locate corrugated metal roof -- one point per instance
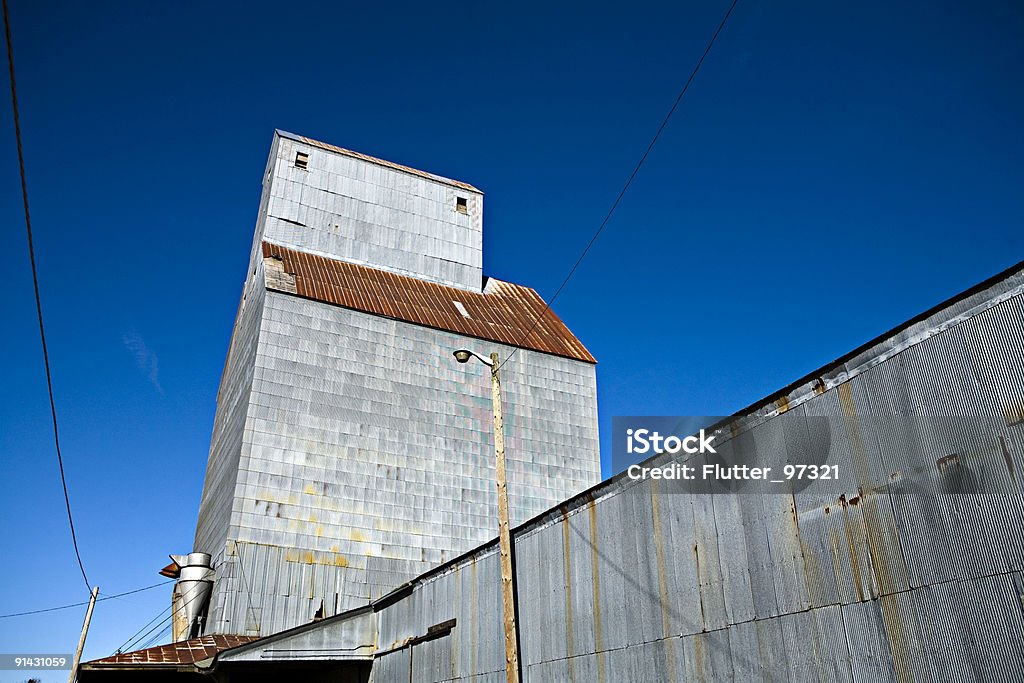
(184, 652)
(375, 160)
(501, 313)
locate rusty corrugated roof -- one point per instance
(502, 313)
(184, 652)
(375, 160)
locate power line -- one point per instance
(156, 637)
(248, 593)
(629, 181)
(35, 285)
(135, 639)
(79, 604)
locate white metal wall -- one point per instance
(368, 458)
(370, 214)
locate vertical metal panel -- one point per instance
(743, 652)
(576, 529)
(685, 610)
(869, 649)
(709, 569)
(647, 582)
(612, 572)
(903, 632)
(633, 615)
(739, 601)
(773, 651)
(831, 646)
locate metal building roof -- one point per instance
(183, 652)
(375, 160)
(502, 312)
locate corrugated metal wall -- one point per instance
(373, 214)
(864, 581)
(226, 444)
(369, 459)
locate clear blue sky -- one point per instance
(835, 169)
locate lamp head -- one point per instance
(463, 356)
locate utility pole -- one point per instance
(508, 594)
(81, 640)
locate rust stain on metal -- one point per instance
(894, 628)
(819, 386)
(812, 568)
(837, 562)
(474, 628)
(797, 546)
(500, 313)
(876, 532)
(852, 549)
(664, 600)
(567, 576)
(596, 586)
(947, 461)
(700, 593)
(311, 558)
(698, 655)
(1013, 415)
(782, 404)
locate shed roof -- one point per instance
(183, 652)
(502, 312)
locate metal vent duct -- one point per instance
(191, 594)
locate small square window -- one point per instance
(462, 205)
(301, 160)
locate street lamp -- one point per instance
(504, 536)
(463, 356)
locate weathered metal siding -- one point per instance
(350, 451)
(227, 442)
(230, 423)
(372, 213)
(369, 459)
(867, 583)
